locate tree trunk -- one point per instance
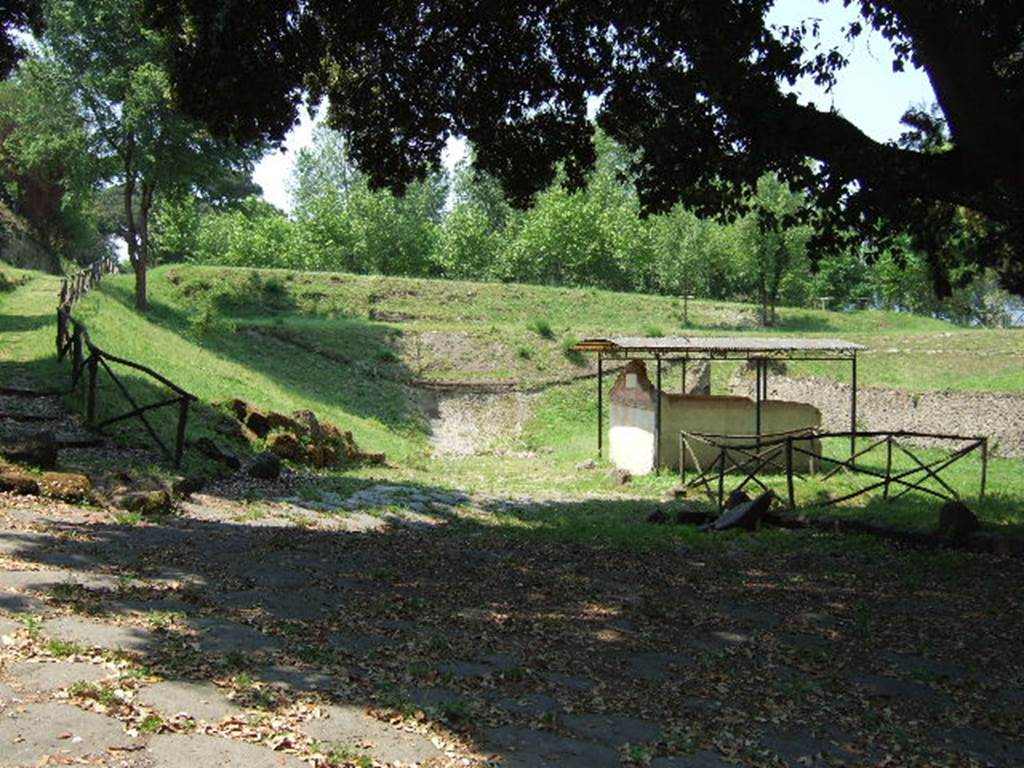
(141, 263)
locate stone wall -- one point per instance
(996, 415)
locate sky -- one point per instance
(868, 92)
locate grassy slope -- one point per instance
(293, 340)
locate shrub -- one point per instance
(542, 328)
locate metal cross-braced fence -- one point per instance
(88, 360)
(779, 454)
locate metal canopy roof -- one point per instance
(718, 346)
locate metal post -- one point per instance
(600, 406)
(657, 417)
(758, 362)
(853, 406)
(721, 478)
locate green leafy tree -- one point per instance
(118, 68)
(697, 91)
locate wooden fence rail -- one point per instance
(775, 455)
(87, 358)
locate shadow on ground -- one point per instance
(474, 644)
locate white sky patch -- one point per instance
(867, 92)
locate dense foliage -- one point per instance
(463, 228)
(696, 90)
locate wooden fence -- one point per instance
(774, 455)
(87, 359)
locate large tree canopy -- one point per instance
(696, 88)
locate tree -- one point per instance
(694, 89)
(16, 16)
(117, 67)
(772, 246)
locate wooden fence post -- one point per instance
(179, 446)
(90, 402)
(789, 473)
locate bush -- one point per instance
(542, 328)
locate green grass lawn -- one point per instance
(348, 347)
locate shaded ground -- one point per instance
(329, 633)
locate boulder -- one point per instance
(280, 422)
(745, 515)
(69, 486)
(38, 450)
(286, 445)
(736, 498)
(212, 450)
(234, 429)
(259, 424)
(310, 425)
(265, 466)
(620, 477)
(15, 480)
(187, 485)
(658, 517)
(145, 503)
(375, 459)
(238, 407)
(956, 520)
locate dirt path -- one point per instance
(224, 638)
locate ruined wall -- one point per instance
(631, 435)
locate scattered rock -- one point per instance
(620, 477)
(286, 446)
(585, 466)
(745, 515)
(145, 503)
(39, 450)
(15, 480)
(186, 486)
(69, 486)
(658, 517)
(265, 466)
(736, 498)
(956, 520)
(278, 422)
(258, 423)
(212, 450)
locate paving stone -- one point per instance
(912, 664)
(656, 666)
(297, 679)
(702, 759)
(483, 667)
(611, 730)
(190, 751)
(359, 645)
(527, 748)
(989, 748)
(22, 544)
(200, 700)
(895, 688)
(348, 724)
(31, 732)
(431, 697)
(572, 682)
(49, 676)
(33, 581)
(751, 615)
(128, 606)
(295, 604)
(718, 641)
(12, 602)
(9, 626)
(8, 696)
(222, 636)
(798, 748)
(805, 642)
(94, 634)
(528, 705)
